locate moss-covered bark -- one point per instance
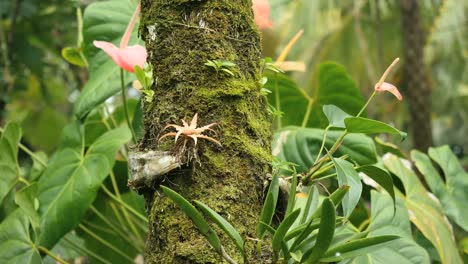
(181, 35)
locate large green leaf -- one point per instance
(9, 158)
(301, 146)
(453, 193)
(348, 176)
(104, 21)
(333, 86)
(425, 212)
(384, 221)
(381, 176)
(370, 126)
(15, 241)
(72, 179)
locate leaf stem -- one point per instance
(86, 251)
(115, 228)
(104, 242)
(133, 211)
(52, 255)
(124, 101)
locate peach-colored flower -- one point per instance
(261, 10)
(389, 88)
(381, 85)
(126, 57)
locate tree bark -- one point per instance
(418, 89)
(180, 36)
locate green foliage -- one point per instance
(426, 212)
(348, 176)
(369, 126)
(145, 77)
(72, 179)
(384, 220)
(451, 193)
(8, 158)
(224, 225)
(221, 65)
(103, 21)
(301, 146)
(196, 218)
(16, 245)
(269, 206)
(333, 86)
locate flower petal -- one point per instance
(261, 10)
(389, 88)
(110, 49)
(132, 56)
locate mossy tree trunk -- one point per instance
(180, 36)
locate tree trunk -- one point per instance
(180, 36)
(418, 88)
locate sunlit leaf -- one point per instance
(452, 193)
(425, 212)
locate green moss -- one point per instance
(230, 178)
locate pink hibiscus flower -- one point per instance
(126, 57)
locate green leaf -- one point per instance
(15, 242)
(348, 176)
(72, 179)
(452, 193)
(426, 212)
(370, 126)
(26, 200)
(292, 194)
(357, 247)
(269, 206)
(74, 56)
(301, 146)
(104, 21)
(196, 218)
(97, 89)
(279, 237)
(224, 225)
(385, 221)
(333, 86)
(381, 177)
(335, 115)
(9, 158)
(325, 233)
